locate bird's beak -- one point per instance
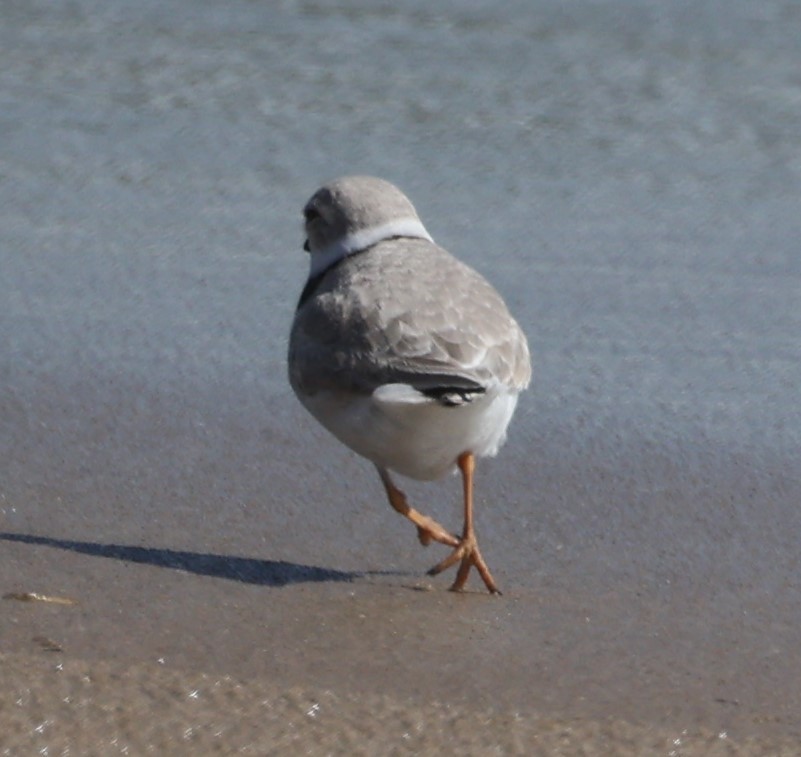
(306, 246)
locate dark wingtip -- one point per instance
(453, 396)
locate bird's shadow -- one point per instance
(246, 570)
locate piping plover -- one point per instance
(405, 354)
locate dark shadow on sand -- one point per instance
(243, 569)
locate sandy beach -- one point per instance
(72, 707)
(189, 564)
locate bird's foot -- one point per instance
(468, 553)
(429, 530)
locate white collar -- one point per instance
(361, 240)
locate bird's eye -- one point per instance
(310, 214)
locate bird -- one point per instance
(407, 355)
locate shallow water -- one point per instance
(627, 175)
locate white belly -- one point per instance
(419, 438)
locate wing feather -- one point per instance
(406, 311)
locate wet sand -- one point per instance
(247, 586)
(627, 176)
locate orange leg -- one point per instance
(428, 529)
(467, 550)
